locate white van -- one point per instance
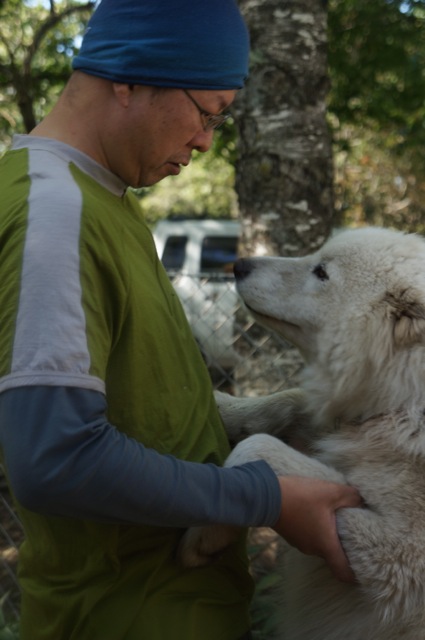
(198, 255)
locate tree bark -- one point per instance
(284, 174)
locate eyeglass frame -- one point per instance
(210, 121)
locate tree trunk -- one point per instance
(25, 102)
(284, 175)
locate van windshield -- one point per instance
(174, 252)
(218, 252)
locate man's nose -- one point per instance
(202, 140)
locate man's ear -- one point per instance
(407, 313)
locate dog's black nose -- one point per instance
(242, 268)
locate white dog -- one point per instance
(356, 311)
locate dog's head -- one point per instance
(355, 308)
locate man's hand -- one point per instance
(307, 519)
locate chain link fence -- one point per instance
(11, 536)
(243, 359)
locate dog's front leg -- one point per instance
(281, 414)
(283, 459)
(200, 545)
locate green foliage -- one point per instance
(36, 47)
(377, 68)
(8, 631)
(264, 612)
(377, 111)
(264, 609)
(224, 144)
(204, 187)
(375, 187)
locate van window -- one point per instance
(217, 252)
(174, 252)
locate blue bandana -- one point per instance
(191, 44)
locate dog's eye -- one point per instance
(320, 272)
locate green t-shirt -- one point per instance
(86, 303)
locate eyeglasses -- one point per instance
(210, 121)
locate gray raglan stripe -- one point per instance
(50, 344)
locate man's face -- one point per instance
(159, 130)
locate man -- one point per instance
(110, 436)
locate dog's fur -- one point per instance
(356, 311)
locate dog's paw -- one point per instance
(202, 545)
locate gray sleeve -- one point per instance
(63, 458)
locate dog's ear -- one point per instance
(408, 316)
